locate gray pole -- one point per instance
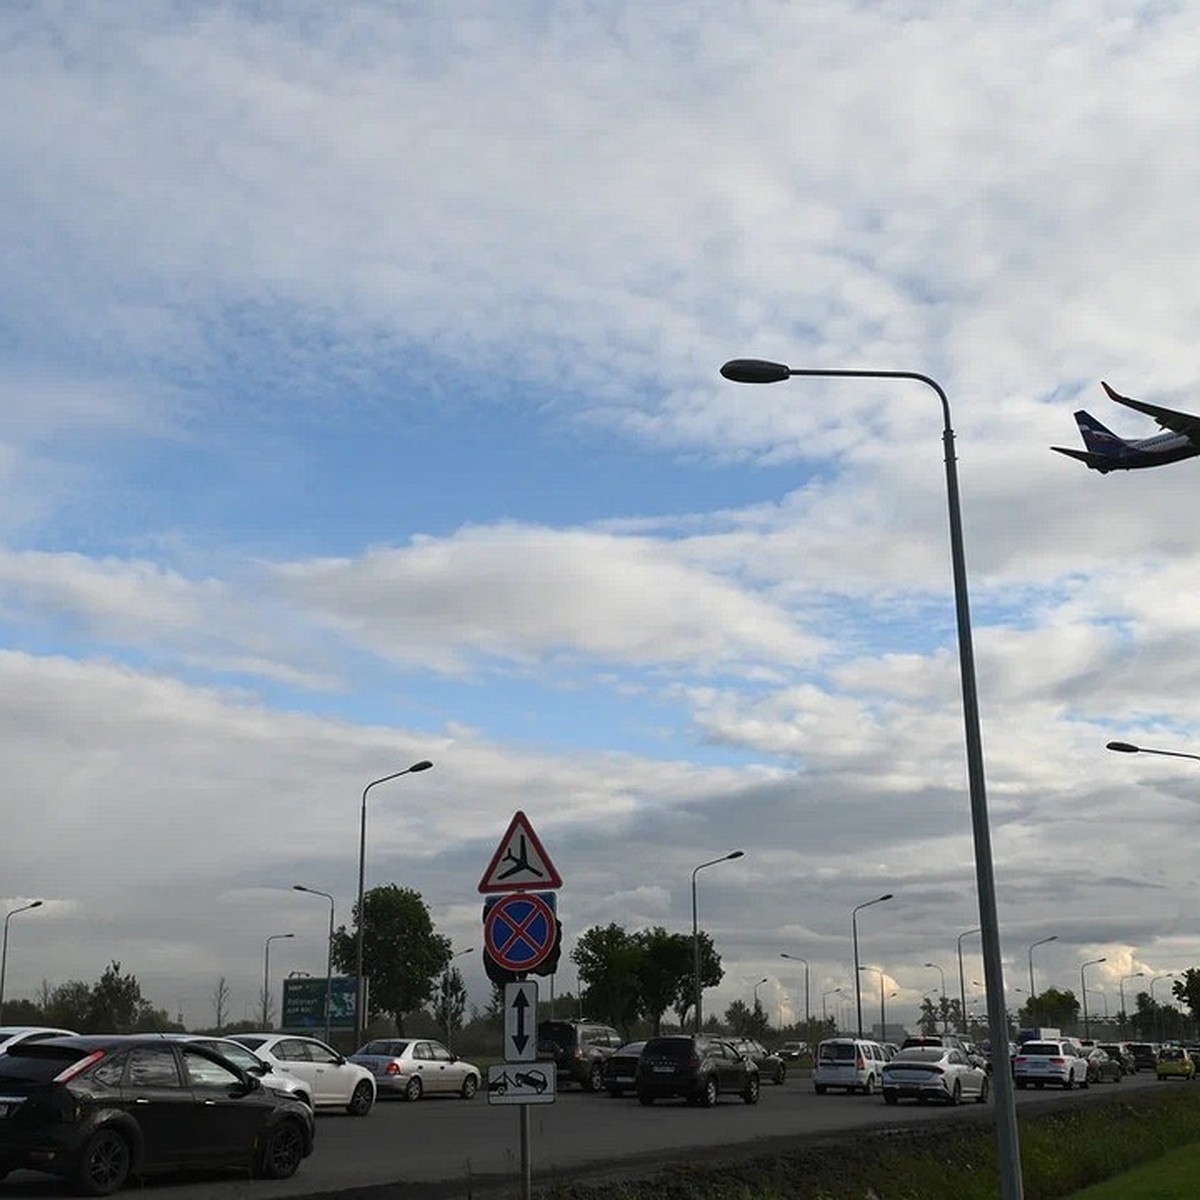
(1007, 1140)
(299, 887)
(266, 1009)
(962, 983)
(360, 991)
(4, 952)
(696, 927)
(854, 939)
(1087, 1029)
(807, 1013)
(1121, 988)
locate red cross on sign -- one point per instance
(519, 931)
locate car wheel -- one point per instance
(282, 1151)
(708, 1092)
(780, 1075)
(985, 1089)
(104, 1165)
(750, 1091)
(819, 1088)
(412, 1089)
(890, 1097)
(1118, 1077)
(595, 1078)
(470, 1086)
(955, 1097)
(869, 1086)
(645, 1098)
(361, 1100)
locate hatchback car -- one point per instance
(1121, 1052)
(1101, 1066)
(1145, 1055)
(698, 1068)
(1057, 1063)
(332, 1081)
(620, 1069)
(771, 1067)
(416, 1067)
(98, 1110)
(791, 1051)
(1174, 1062)
(942, 1073)
(246, 1060)
(853, 1064)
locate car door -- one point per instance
(333, 1075)
(292, 1055)
(450, 1072)
(153, 1093)
(228, 1114)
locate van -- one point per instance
(853, 1064)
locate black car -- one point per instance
(578, 1050)
(1145, 1055)
(620, 1069)
(696, 1067)
(770, 1065)
(1121, 1052)
(97, 1110)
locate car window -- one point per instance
(153, 1066)
(319, 1053)
(238, 1055)
(389, 1049)
(203, 1071)
(39, 1062)
(253, 1042)
(439, 1053)
(678, 1048)
(837, 1052)
(109, 1070)
(1042, 1050)
(291, 1050)
(917, 1054)
(421, 1052)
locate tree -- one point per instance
(402, 955)
(609, 960)
(711, 974)
(450, 1003)
(220, 1002)
(1053, 1009)
(116, 1003)
(69, 1005)
(663, 970)
(1186, 989)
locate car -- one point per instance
(332, 1081)
(99, 1110)
(696, 1067)
(770, 1065)
(1174, 1062)
(248, 1061)
(791, 1051)
(416, 1067)
(1145, 1054)
(852, 1064)
(1041, 1063)
(14, 1035)
(620, 1068)
(1121, 1052)
(1101, 1066)
(578, 1050)
(942, 1073)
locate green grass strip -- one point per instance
(1175, 1176)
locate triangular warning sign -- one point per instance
(520, 863)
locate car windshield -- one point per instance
(1171, 1055)
(1042, 1049)
(632, 1048)
(680, 1048)
(837, 1052)
(391, 1048)
(38, 1062)
(919, 1054)
(557, 1032)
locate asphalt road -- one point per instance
(468, 1145)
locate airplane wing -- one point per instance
(1167, 418)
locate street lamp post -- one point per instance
(941, 973)
(266, 1010)
(299, 887)
(4, 951)
(1130, 748)
(854, 938)
(756, 987)
(1091, 962)
(1007, 1141)
(1032, 988)
(962, 983)
(882, 1006)
(456, 954)
(1121, 989)
(712, 862)
(359, 988)
(807, 1015)
(824, 1010)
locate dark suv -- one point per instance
(578, 1050)
(697, 1068)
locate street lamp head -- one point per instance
(423, 765)
(735, 854)
(1123, 747)
(754, 370)
(881, 899)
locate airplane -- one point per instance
(1107, 452)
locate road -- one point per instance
(469, 1144)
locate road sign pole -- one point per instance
(526, 1157)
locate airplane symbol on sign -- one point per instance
(520, 862)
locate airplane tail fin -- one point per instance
(1097, 438)
(1098, 462)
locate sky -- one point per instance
(359, 404)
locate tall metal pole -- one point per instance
(1008, 1143)
(807, 1014)
(4, 952)
(854, 938)
(1091, 962)
(360, 991)
(696, 929)
(962, 983)
(1121, 989)
(942, 976)
(299, 887)
(266, 1008)
(1032, 986)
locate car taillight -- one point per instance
(860, 1063)
(82, 1065)
(1058, 1062)
(393, 1068)
(577, 1053)
(1020, 1059)
(694, 1062)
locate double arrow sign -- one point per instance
(520, 1020)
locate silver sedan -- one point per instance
(942, 1073)
(414, 1067)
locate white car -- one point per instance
(416, 1067)
(852, 1064)
(942, 1073)
(13, 1035)
(332, 1081)
(248, 1061)
(1041, 1063)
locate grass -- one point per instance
(1063, 1149)
(1175, 1176)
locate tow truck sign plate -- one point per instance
(521, 1083)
